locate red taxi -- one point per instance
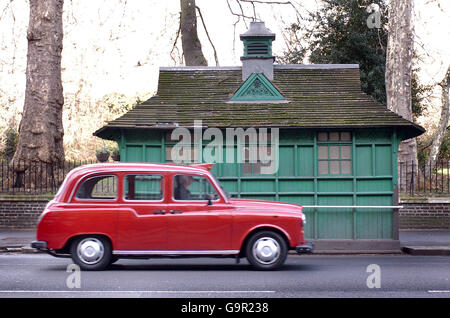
(104, 212)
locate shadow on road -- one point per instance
(203, 267)
(192, 267)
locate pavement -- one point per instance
(425, 242)
(414, 242)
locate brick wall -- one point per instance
(425, 214)
(20, 213)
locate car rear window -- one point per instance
(98, 188)
(144, 187)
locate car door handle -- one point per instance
(175, 211)
(159, 212)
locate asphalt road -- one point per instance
(41, 275)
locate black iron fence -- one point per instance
(41, 178)
(32, 177)
(422, 179)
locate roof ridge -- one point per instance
(276, 66)
(200, 68)
(316, 66)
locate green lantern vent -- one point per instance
(257, 88)
(257, 41)
(258, 48)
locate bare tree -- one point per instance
(399, 69)
(41, 130)
(443, 122)
(192, 48)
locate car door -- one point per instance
(142, 221)
(194, 222)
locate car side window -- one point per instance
(144, 187)
(98, 188)
(191, 187)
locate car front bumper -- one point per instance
(307, 248)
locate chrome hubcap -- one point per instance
(266, 250)
(90, 250)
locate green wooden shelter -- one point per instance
(337, 146)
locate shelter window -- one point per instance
(334, 152)
(252, 163)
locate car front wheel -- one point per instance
(91, 253)
(266, 250)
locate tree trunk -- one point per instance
(192, 48)
(398, 73)
(41, 130)
(443, 122)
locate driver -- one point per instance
(182, 190)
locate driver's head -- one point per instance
(186, 181)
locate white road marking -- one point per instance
(439, 291)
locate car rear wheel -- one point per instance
(266, 250)
(91, 253)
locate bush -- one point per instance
(12, 136)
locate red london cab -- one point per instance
(104, 212)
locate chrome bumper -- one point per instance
(39, 245)
(305, 249)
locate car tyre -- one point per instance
(266, 250)
(91, 252)
(113, 260)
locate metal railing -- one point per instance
(41, 178)
(422, 179)
(33, 177)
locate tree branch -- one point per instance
(239, 15)
(6, 8)
(175, 42)
(272, 2)
(207, 34)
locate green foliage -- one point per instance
(419, 94)
(423, 148)
(12, 136)
(444, 152)
(114, 151)
(338, 33)
(422, 155)
(106, 151)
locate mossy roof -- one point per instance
(318, 96)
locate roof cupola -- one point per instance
(257, 51)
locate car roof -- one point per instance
(76, 174)
(134, 166)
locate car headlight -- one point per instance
(303, 217)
